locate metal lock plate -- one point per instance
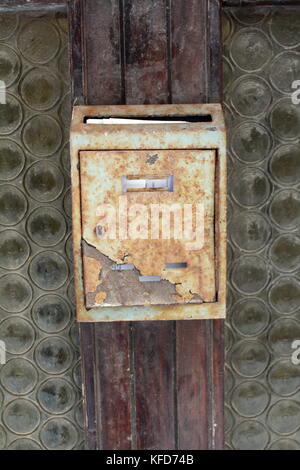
(149, 240)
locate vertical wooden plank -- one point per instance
(216, 344)
(146, 78)
(103, 84)
(113, 398)
(105, 348)
(195, 77)
(146, 51)
(189, 65)
(218, 359)
(154, 377)
(192, 385)
(89, 373)
(76, 53)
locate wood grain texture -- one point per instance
(112, 351)
(145, 42)
(152, 385)
(102, 78)
(146, 79)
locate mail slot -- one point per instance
(149, 212)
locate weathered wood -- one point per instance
(154, 385)
(170, 375)
(145, 42)
(103, 75)
(188, 28)
(76, 53)
(89, 374)
(146, 79)
(112, 351)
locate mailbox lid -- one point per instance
(125, 262)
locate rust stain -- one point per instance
(201, 292)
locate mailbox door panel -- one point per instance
(147, 241)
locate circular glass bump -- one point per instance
(285, 444)
(284, 417)
(285, 119)
(229, 419)
(250, 274)
(250, 399)
(229, 254)
(62, 22)
(59, 434)
(56, 396)
(229, 380)
(65, 159)
(250, 317)
(8, 24)
(51, 313)
(63, 65)
(71, 291)
(38, 41)
(251, 142)
(46, 226)
(77, 375)
(285, 209)
(44, 181)
(250, 49)
(250, 96)
(226, 27)
(247, 16)
(14, 250)
(284, 378)
(54, 355)
(251, 231)
(67, 203)
(284, 70)
(250, 435)
(2, 438)
(227, 71)
(285, 252)
(48, 270)
(65, 110)
(74, 333)
(285, 295)
(17, 334)
(282, 335)
(11, 115)
(19, 376)
(40, 89)
(12, 159)
(69, 248)
(21, 416)
(228, 338)
(15, 293)
(24, 444)
(250, 358)
(13, 205)
(285, 29)
(285, 166)
(9, 65)
(42, 135)
(250, 187)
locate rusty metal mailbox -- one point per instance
(149, 212)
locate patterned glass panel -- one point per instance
(261, 61)
(40, 383)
